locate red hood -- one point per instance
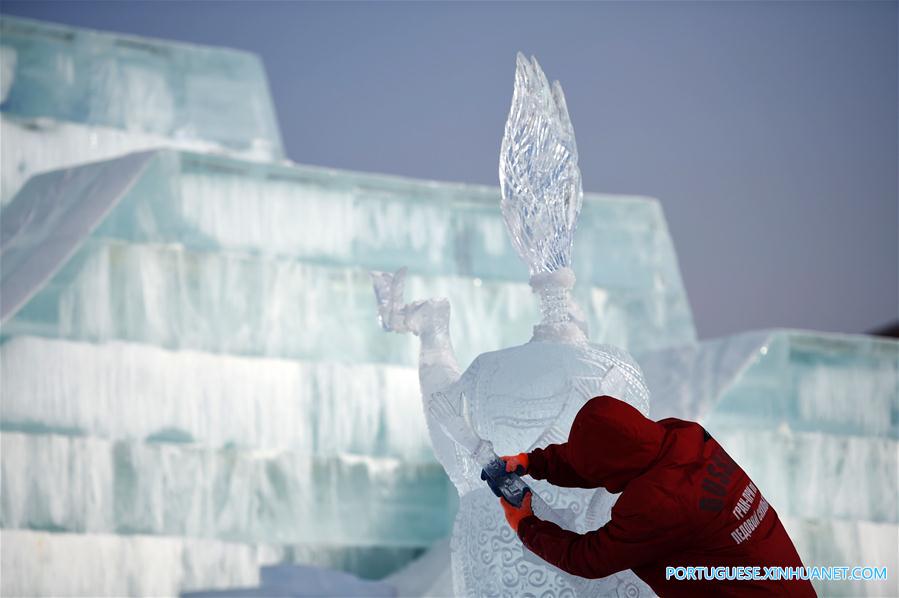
(611, 443)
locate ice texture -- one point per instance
(71, 95)
(129, 391)
(49, 563)
(832, 541)
(34, 146)
(301, 581)
(538, 173)
(234, 225)
(41, 235)
(91, 485)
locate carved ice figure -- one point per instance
(522, 397)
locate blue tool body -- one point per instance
(505, 484)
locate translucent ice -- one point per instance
(234, 224)
(127, 391)
(90, 485)
(538, 172)
(71, 95)
(119, 565)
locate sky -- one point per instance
(768, 130)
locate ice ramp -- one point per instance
(56, 215)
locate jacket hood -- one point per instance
(611, 443)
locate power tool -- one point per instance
(450, 415)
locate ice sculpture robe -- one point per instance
(684, 503)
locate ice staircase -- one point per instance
(194, 384)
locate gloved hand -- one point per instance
(517, 463)
(515, 515)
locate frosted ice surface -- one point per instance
(70, 95)
(809, 381)
(206, 205)
(138, 392)
(119, 565)
(827, 542)
(301, 581)
(40, 235)
(169, 296)
(781, 379)
(97, 486)
(812, 474)
(140, 85)
(687, 381)
(35, 146)
(521, 398)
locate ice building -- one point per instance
(197, 396)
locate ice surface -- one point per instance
(150, 89)
(780, 378)
(300, 581)
(248, 214)
(39, 236)
(847, 543)
(169, 296)
(38, 145)
(428, 576)
(812, 474)
(830, 383)
(97, 486)
(41, 563)
(125, 391)
(819, 541)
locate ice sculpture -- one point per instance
(522, 397)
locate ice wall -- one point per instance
(72, 95)
(179, 253)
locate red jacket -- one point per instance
(684, 502)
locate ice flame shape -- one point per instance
(538, 172)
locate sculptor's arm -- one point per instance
(552, 464)
(640, 531)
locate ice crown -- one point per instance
(538, 173)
